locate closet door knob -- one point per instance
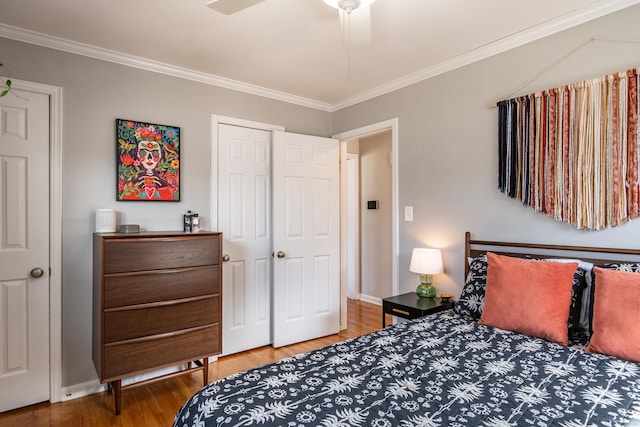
(225, 258)
(37, 272)
(281, 254)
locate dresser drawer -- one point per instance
(153, 320)
(161, 285)
(157, 352)
(127, 255)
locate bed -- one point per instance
(455, 368)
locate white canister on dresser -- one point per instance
(105, 221)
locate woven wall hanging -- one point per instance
(572, 152)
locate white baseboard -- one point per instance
(370, 299)
(81, 390)
(91, 387)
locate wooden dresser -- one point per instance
(156, 303)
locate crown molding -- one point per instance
(515, 40)
(65, 45)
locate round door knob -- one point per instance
(225, 258)
(280, 254)
(37, 272)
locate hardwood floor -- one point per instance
(156, 404)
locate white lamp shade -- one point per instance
(426, 261)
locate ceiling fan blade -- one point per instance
(356, 26)
(229, 7)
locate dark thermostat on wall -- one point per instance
(372, 204)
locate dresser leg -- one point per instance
(117, 395)
(205, 370)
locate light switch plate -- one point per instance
(408, 213)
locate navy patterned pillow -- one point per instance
(471, 301)
(631, 267)
(577, 334)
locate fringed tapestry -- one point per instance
(572, 152)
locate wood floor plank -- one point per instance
(156, 404)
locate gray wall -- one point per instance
(375, 225)
(95, 93)
(447, 145)
(447, 151)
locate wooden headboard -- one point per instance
(474, 248)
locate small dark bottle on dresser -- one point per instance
(188, 221)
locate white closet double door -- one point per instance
(24, 249)
(278, 209)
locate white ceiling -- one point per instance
(293, 49)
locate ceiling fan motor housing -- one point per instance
(349, 5)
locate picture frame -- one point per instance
(148, 161)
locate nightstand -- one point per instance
(411, 306)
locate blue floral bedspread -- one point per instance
(441, 370)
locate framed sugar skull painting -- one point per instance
(148, 160)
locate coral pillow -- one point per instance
(616, 311)
(528, 296)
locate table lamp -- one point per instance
(426, 262)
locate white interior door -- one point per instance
(244, 217)
(24, 248)
(306, 237)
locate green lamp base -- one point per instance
(425, 290)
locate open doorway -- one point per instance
(368, 226)
(353, 225)
(378, 270)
